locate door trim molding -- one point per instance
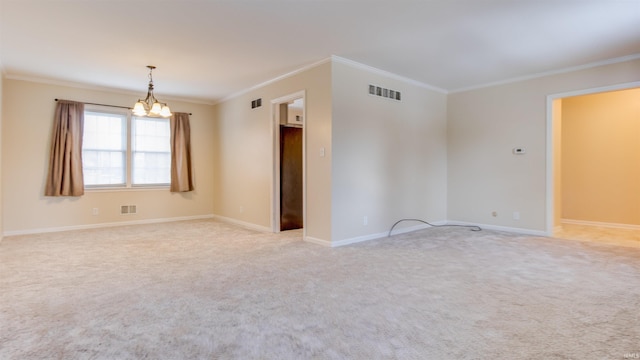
(550, 191)
(275, 178)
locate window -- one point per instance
(151, 147)
(104, 149)
(120, 150)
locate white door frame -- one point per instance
(275, 133)
(550, 135)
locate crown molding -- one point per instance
(387, 74)
(77, 85)
(276, 79)
(341, 60)
(549, 73)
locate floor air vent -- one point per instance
(128, 209)
(386, 93)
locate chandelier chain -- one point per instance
(150, 106)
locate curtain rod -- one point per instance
(115, 106)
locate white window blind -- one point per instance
(104, 149)
(121, 151)
(151, 151)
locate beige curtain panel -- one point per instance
(181, 178)
(65, 176)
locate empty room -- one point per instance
(317, 179)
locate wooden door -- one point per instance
(290, 178)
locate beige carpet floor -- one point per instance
(208, 290)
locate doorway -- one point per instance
(289, 158)
(585, 185)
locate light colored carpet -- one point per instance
(606, 235)
(208, 290)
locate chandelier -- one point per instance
(150, 106)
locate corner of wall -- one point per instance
(389, 154)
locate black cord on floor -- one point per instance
(472, 227)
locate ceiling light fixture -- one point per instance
(150, 106)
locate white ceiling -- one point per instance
(208, 50)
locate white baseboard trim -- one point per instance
(600, 224)
(368, 237)
(344, 242)
(317, 241)
(244, 224)
(415, 227)
(104, 225)
(501, 228)
(357, 239)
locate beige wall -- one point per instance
(1, 199)
(430, 156)
(601, 157)
(27, 117)
(483, 127)
(389, 157)
(383, 159)
(244, 153)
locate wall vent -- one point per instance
(256, 103)
(386, 93)
(128, 209)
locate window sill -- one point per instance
(124, 189)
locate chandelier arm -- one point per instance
(152, 107)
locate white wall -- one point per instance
(389, 157)
(485, 124)
(244, 153)
(27, 117)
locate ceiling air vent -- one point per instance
(383, 92)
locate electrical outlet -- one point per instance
(516, 215)
(241, 209)
(365, 220)
(494, 214)
(95, 211)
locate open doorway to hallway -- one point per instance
(595, 157)
(289, 159)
